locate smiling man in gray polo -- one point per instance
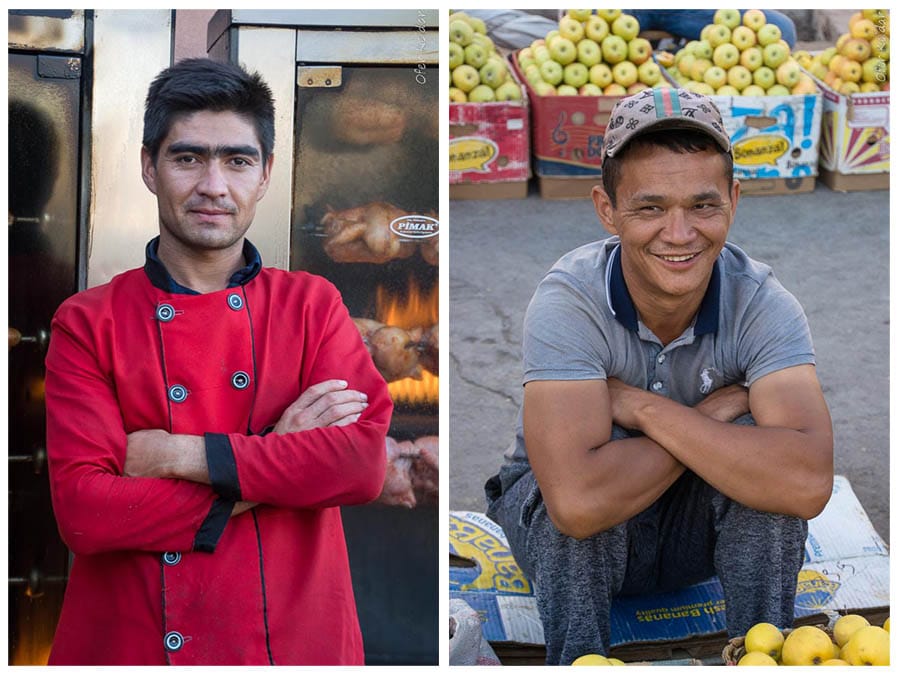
(673, 426)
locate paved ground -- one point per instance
(830, 249)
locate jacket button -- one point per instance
(240, 380)
(171, 557)
(177, 393)
(235, 301)
(173, 641)
(165, 312)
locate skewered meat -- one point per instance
(366, 327)
(424, 470)
(397, 490)
(363, 234)
(429, 249)
(364, 121)
(394, 350)
(428, 347)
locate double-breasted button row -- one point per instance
(178, 393)
(166, 312)
(173, 641)
(171, 557)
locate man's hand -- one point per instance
(624, 400)
(326, 404)
(726, 404)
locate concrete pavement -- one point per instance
(830, 249)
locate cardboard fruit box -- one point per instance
(489, 148)
(855, 152)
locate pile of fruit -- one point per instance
(591, 55)
(860, 60)
(739, 55)
(854, 642)
(477, 72)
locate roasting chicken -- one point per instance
(363, 234)
(429, 250)
(411, 478)
(424, 470)
(428, 347)
(394, 350)
(362, 120)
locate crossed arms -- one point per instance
(589, 483)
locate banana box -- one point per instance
(846, 569)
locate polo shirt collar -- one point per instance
(159, 276)
(623, 308)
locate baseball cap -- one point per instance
(662, 108)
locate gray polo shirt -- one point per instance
(581, 324)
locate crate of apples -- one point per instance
(591, 54)
(739, 54)
(860, 60)
(478, 74)
(851, 641)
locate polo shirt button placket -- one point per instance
(656, 386)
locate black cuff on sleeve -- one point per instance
(222, 467)
(213, 526)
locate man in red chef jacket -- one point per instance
(208, 416)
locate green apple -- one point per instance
(541, 54)
(704, 34)
(625, 72)
(739, 77)
(649, 73)
(482, 94)
(579, 14)
(780, 90)
(545, 89)
(571, 29)
(873, 70)
(726, 55)
(596, 28)
(590, 89)
(493, 73)
(753, 90)
(566, 90)
(639, 50)
(457, 55)
(533, 74)
(743, 37)
(764, 77)
(827, 54)
(508, 91)
(754, 19)
(614, 49)
(478, 25)
(465, 77)
(698, 68)
(788, 73)
(881, 47)
(626, 27)
(719, 34)
(609, 15)
(685, 63)
(589, 52)
(702, 49)
(774, 55)
(461, 32)
(476, 55)
(575, 74)
(563, 51)
(551, 36)
(752, 58)
(457, 95)
(768, 34)
(715, 77)
(601, 75)
(551, 72)
(700, 88)
(727, 17)
(820, 70)
(727, 90)
(484, 41)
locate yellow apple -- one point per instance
(596, 28)
(847, 626)
(857, 49)
(754, 19)
(457, 95)
(764, 637)
(601, 75)
(864, 29)
(806, 646)
(757, 659)
(625, 73)
(571, 28)
(743, 37)
(726, 55)
(768, 34)
(752, 58)
(868, 646)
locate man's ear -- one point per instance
(604, 208)
(266, 177)
(148, 170)
(735, 196)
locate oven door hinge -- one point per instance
(317, 77)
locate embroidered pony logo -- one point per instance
(706, 380)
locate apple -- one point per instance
(476, 55)
(571, 29)
(579, 14)
(727, 17)
(609, 15)
(875, 15)
(493, 73)
(465, 77)
(753, 90)
(818, 69)
(743, 37)
(552, 72)
(700, 88)
(685, 63)
(836, 63)
(881, 47)
(533, 74)
(704, 33)
(719, 34)
(726, 55)
(484, 41)
(727, 90)
(649, 73)
(864, 88)
(702, 49)
(537, 43)
(563, 51)
(857, 49)
(477, 24)
(827, 55)
(457, 95)
(525, 62)
(715, 77)
(589, 52)
(639, 50)
(575, 74)
(774, 55)
(754, 19)
(849, 88)
(666, 59)
(788, 73)
(764, 77)
(461, 32)
(778, 90)
(842, 40)
(864, 29)
(614, 89)
(752, 58)
(626, 27)
(625, 72)
(873, 70)
(590, 89)
(768, 34)
(541, 54)
(601, 75)
(699, 67)
(596, 28)
(739, 77)
(806, 86)
(635, 88)
(851, 71)
(545, 88)
(614, 49)
(482, 94)
(566, 90)
(457, 55)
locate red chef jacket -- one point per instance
(161, 573)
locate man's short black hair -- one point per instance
(196, 85)
(682, 140)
